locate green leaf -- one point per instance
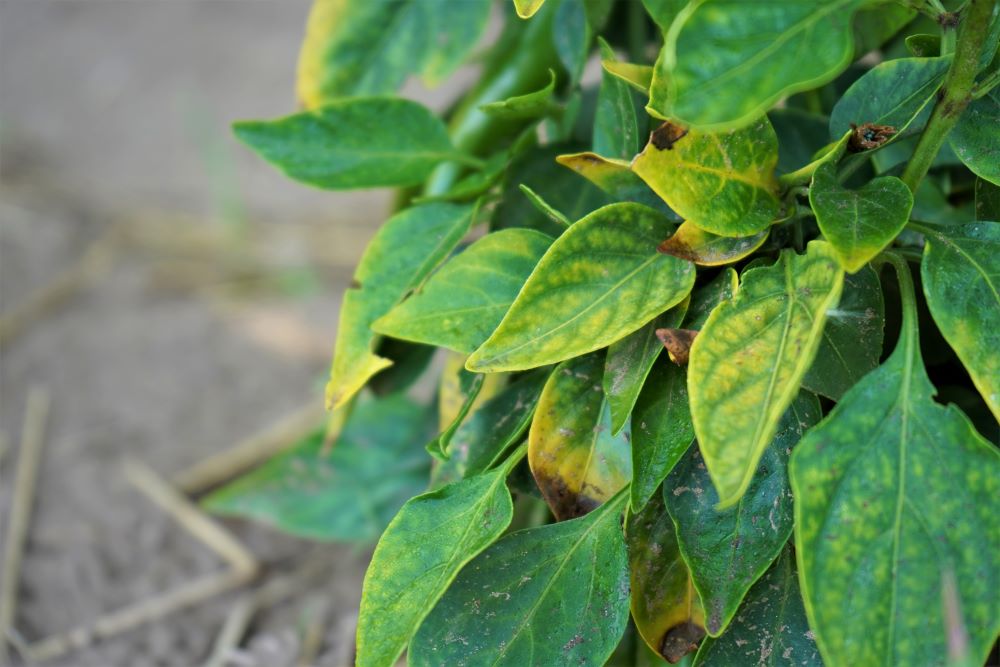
(629, 361)
(663, 12)
(987, 200)
(463, 302)
(458, 391)
(344, 145)
(571, 36)
(722, 182)
(859, 224)
(420, 554)
(751, 355)
(852, 337)
(347, 491)
(576, 461)
(553, 595)
(527, 8)
(661, 430)
(599, 281)
(878, 22)
(893, 492)
(665, 606)
(639, 77)
(961, 278)
(404, 251)
(616, 126)
(616, 178)
(923, 45)
(371, 47)
(976, 137)
(707, 297)
(770, 628)
(544, 207)
(894, 93)
(694, 244)
(728, 550)
(725, 62)
(800, 135)
(530, 105)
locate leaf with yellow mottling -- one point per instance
(694, 244)
(616, 178)
(723, 182)
(575, 460)
(404, 251)
(749, 359)
(665, 606)
(600, 280)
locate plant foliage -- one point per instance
(807, 474)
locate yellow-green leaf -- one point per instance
(638, 76)
(859, 224)
(575, 460)
(529, 105)
(722, 182)
(616, 178)
(694, 244)
(599, 281)
(464, 301)
(665, 606)
(749, 359)
(527, 8)
(404, 251)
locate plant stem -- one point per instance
(955, 93)
(907, 295)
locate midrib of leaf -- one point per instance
(727, 173)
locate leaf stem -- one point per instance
(955, 93)
(986, 84)
(907, 295)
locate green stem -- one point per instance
(907, 294)
(986, 84)
(955, 93)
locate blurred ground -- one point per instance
(209, 315)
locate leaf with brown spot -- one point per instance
(678, 343)
(694, 244)
(665, 606)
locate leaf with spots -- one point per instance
(599, 281)
(346, 491)
(751, 355)
(725, 62)
(665, 605)
(694, 244)
(852, 337)
(404, 251)
(859, 224)
(575, 460)
(553, 595)
(894, 491)
(463, 302)
(770, 629)
(961, 278)
(629, 361)
(728, 550)
(421, 552)
(722, 182)
(976, 137)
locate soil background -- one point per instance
(210, 315)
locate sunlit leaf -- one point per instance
(353, 48)
(419, 555)
(665, 605)
(694, 244)
(544, 207)
(404, 251)
(344, 145)
(464, 301)
(599, 281)
(722, 182)
(639, 77)
(976, 137)
(575, 460)
(859, 224)
(728, 550)
(616, 126)
(527, 8)
(751, 355)
(852, 337)
(892, 490)
(961, 278)
(342, 491)
(553, 595)
(770, 628)
(629, 361)
(725, 62)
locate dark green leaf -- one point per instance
(346, 491)
(345, 144)
(663, 12)
(728, 550)
(616, 126)
(976, 137)
(554, 595)
(705, 298)
(571, 36)
(457, 392)
(987, 200)
(800, 135)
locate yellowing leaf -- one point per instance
(600, 280)
(527, 8)
(638, 76)
(706, 249)
(614, 177)
(575, 460)
(749, 359)
(723, 182)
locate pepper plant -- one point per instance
(718, 284)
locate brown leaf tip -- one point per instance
(678, 343)
(677, 247)
(665, 136)
(681, 640)
(868, 135)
